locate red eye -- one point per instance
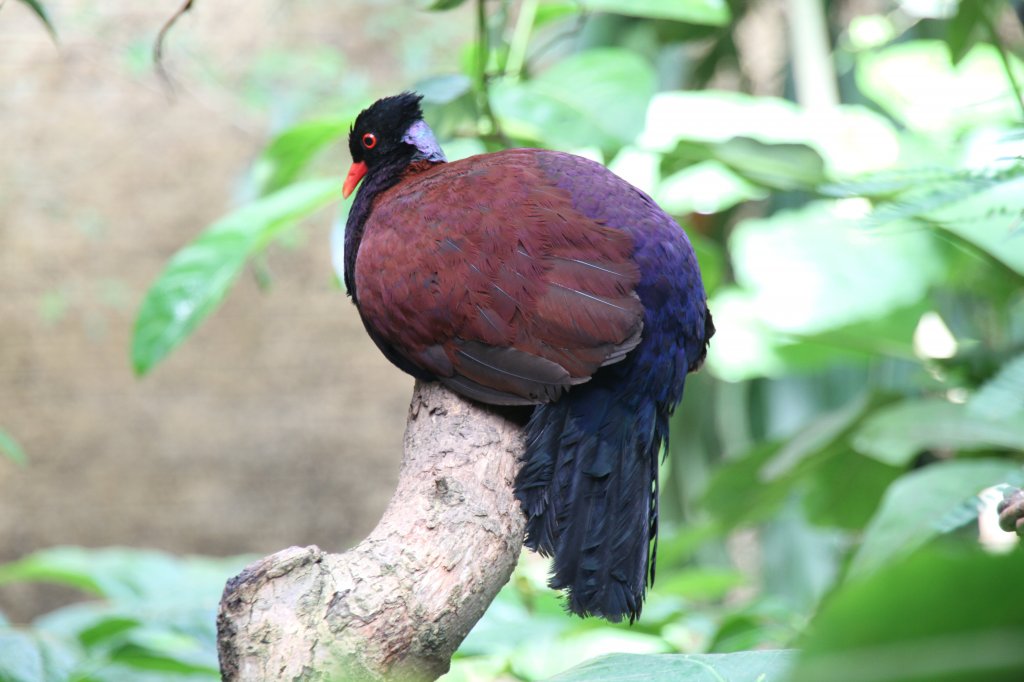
(369, 140)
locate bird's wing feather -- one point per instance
(482, 273)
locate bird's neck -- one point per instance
(378, 180)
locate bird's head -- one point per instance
(391, 132)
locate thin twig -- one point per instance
(1007, 66)
(158, 46)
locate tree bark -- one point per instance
(397, 605)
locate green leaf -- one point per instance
(896, 434)
(962, 28)
(736, 494)
(123, 574)
(106, 628)
(941, 616)
(920, 505)
(705, 12)
(850, 139)
(805, 269)
(292, 150)
(11, 449)
(700, 583)
(815, 437)
(752, 666)
(1002, 396)
(596, 98)
(26, 657)
(706, 187)
(784, 166)
(711, 259)
(199, 275)
(40, 11)
(846, 490)
(916, 83)
(440, 5)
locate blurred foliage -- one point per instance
(865, 266)
(39, 9)
(151, 617)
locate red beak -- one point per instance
(355, 174)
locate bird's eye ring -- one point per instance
(369, 141)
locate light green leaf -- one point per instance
(805, 269)
(11, 449)
(745, 666)
(941, 616)
(897, 434)
(819, 434)
(706, 12)
(917, 84)
(919, 505)
(440, 5)
(593, 98)
(991, 219)
(291, 151)
(26, 657)
(124, 575)
(706, 187)
(40, 11)
(199, 275)
(700, 583)
(1002, 396)
(850, 139)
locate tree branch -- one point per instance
(398, 604)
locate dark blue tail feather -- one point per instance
(589, 489)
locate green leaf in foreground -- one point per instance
(594, 98)
(706, 12)
(291, 151)
(25, 657)
(925, 503)
(745, 666)
(40, 11)
(127, 575)
(941, 616)
(199, 275)
(896, 434)
(11, 449)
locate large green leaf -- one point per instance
(706, 12)
(291, 151)
(991, 220)
(849, 139)
(925, 503)
(808, 270)
(785, 166)
(745, 666)
(898, 433)
(199, 275)
(1002, 396)
(27, 657)
(941, 616)
(595, 98)
(705, 187)
(10, 448)
(123, 574)
(917, 84)
(40, 11)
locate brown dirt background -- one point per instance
(278, 423)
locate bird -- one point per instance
(539, 278)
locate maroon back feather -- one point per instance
(482, 273)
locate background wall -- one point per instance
(278, 423)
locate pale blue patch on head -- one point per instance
(420, 135)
